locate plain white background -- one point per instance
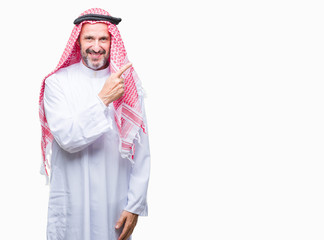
(235, 111)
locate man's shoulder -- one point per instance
(62, 73)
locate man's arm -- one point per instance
(73, 131)
(139, 179)
(138, 185)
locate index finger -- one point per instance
(123, 69)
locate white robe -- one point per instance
(90, 183)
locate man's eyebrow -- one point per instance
(87, 36)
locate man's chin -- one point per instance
(95, 65)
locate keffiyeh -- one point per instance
(128, 109)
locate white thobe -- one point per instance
(90, 183)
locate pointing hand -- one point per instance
(114, 86)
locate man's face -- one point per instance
(95, 45)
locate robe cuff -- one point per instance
(139, 210)
(102, 104)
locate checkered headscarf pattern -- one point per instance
(128, 109)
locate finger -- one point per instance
(123, 69)
(120, 221)
(125, 233)
(121, 80)
(129, 233)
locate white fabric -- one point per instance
(90, 183)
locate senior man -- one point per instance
(94, 132)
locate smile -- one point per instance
(95, 54)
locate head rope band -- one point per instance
(97, 17)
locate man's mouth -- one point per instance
(95, 54)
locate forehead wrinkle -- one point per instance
(100, 34)
(92, 29)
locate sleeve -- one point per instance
(139, 179)
(73, 132)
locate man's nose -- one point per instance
(96, 46)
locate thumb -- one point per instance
(120, 221)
